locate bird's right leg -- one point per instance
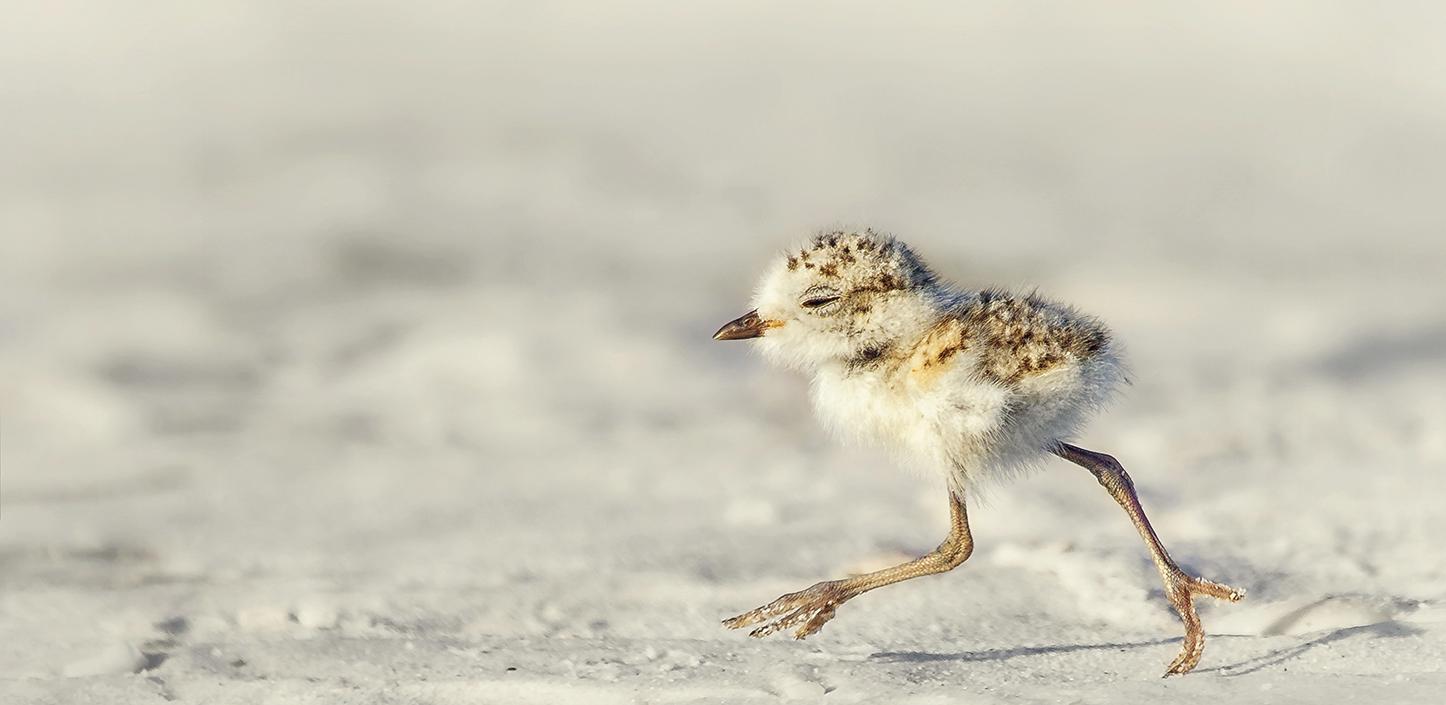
(1180, 587)
(816, 605)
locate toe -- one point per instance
(1219, 591)
(1180, 666)
(793, 618)
(816, 622)
(768, 611)
(1190, 652)
(743, 620)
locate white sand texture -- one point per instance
(358, 352)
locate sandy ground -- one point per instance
(353, 355)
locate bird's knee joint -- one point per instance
(1110, 463)
(1107, 467)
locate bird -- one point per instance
(976, 384)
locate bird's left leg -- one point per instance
(1180, 587)
(814, 606)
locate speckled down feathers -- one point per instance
(1018, 336)
(971, 383)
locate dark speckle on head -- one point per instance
(863, 265)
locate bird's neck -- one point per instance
(898, 330)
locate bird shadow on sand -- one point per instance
(1387, 629)
(1006, 654)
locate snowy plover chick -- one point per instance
(972, 384)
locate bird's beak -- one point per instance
(749, 325)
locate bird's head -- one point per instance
(845, 297)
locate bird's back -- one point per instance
(1022, 336)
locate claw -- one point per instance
(764, 630)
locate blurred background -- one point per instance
(342, 335)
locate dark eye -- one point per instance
(818, 301)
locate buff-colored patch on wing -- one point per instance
(934, 353)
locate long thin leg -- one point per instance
(1180, 587)
(814, 606)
